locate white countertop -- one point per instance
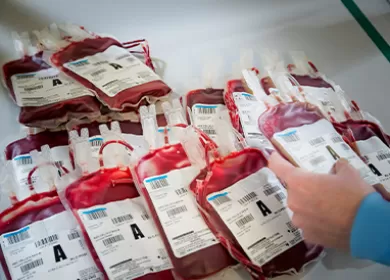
(182, 33)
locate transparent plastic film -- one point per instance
(212, 66)
(82, 151)
(149, 125)
(115, 154)
(190, 141)
(174, 113)
(301, 63)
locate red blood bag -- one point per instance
(121, 237)
(18, 157)
(303, 135)
(245, 205)
(41, 240)
(163, 176)
(371, 143)
(47, 97)
(246, 108)
(204, 104)
(120, 80)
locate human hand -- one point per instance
(324, 205)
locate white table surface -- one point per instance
(182, 33)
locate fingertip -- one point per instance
(280, 166)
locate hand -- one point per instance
(324, 205)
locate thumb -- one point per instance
(342, 167)
(280, 166)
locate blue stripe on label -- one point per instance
(246, 94)
(21, 157)
(17, 232)
(77, 62)
(287, 134)
(95, 138)
(26, 75)
(156, 178)
(217, 195)
(163, 129)
(94, 210)
(205, 106)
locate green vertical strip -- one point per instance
(367, 26)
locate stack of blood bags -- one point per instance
(122, 239)
(119, 79)
(244, 204)
(163, 176)
(47, 97)
(39, 238)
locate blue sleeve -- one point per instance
(370, 236)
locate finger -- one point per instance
(341, 166)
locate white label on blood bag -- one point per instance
(125, 239)
(45, 87)
(49, 249)
(249, 110)
(203, 117)
(316, 147)
(255, 211)
(377, 156)
(176, 208)
(23, 164)
(113, 70)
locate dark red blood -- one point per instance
(357, 130)
(267, 84)
(102, 187)
(35, 208)
(286, 115)
(51, 115)
(34, 142)
(204, 96)
(203, 262)
(126, 98)
(231, 87)
(306, 80)
(224, 173)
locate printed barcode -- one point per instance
(291, 227)
(337, 139)
(176, 211)
(113, 239)
(207, 110)
(316, 161)
(221, 200)
(33, 88)
(122, 219)
(31, 265)
(280, 196)
(98, 72)
(145, 216)
(96, 142)
(160, 183)
(96, 214)
(25, 76)
(74, 235)
(247, 197)
(290, 138)
(271, 190)
(383, 156)
(316, 141)
(181, 191)
(24, 161)
(243, 221)
(345, 146)
(208, 129)
(250, 97)
(46, 240)
(15, 238)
